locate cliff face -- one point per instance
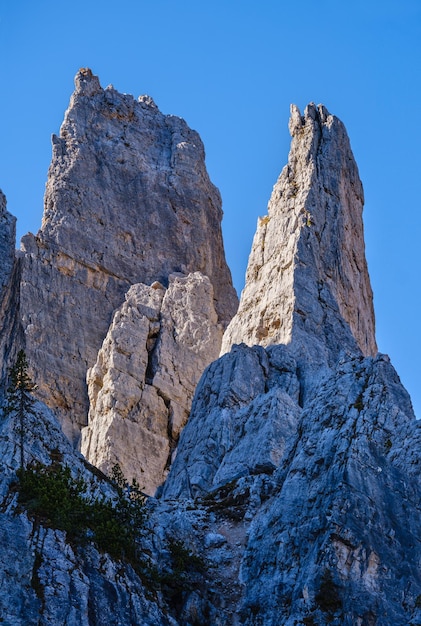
(324, 496)
(142, 384)
(45, 578)
(9, 289)
(128, 200)
(307, 274)
(296, 478)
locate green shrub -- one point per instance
(54, 498)
(183, 560)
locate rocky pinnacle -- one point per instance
(128, 200)
(307, 280)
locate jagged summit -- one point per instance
(130, 184)
(86, 83)
(307, 280)
(128, 200)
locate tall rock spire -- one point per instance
(308, 450)
(307, 278)
(128, 200)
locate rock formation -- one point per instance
(7, 244)
(46, 579)
(307, 274)
(293, 495)
(9, 288)
(128, 200)
(142, 385)
(310, 447)
(323, 500)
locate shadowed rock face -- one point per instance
(128, 200)
(307, 280)
(9, 288)
(44, 577)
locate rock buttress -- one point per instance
(128, 200)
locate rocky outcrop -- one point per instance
(9, 288)
(336, 541)
(320, 502)
(325, 531)
(7, 244)
(128, 200)
(307, 280)
(310, 448)
(244, 417)
(46, 578)
(142, 384)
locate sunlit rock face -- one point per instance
(142, 384)
(307, 280)
(128, 200)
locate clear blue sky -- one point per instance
(231, 68)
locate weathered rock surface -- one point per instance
(9, 287)
(325, 496)
(142, 384)
(310, 448)
(307, 279)
(243, 417)
(297, 476)
(128, 200)
(44, 578)
(337, 540)
(7, 243)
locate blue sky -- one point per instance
(231, 68)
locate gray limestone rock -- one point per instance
(7, 244)
(294, 495)
(307, 280)
(142, 384)
(9, 288)
(308, 447)
(128, 200)
(326, 496)
(239, 424)
(337, 540)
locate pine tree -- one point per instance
(19, 402)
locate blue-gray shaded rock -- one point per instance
(337, 542)
(45, 578)
(9, 288)
(240, 424)
(330, 527)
